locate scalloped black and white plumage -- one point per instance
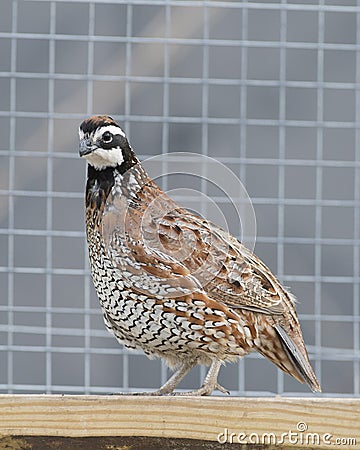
(173, 284)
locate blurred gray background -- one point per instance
(270, 89)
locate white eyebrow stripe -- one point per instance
(111, 128)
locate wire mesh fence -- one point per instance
(269, 89)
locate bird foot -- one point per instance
(138, 393)
(205, 389)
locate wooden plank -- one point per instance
(296, 421)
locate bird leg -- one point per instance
(210, 383)
(168, 387)
(174, 380)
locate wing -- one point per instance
(163, 250)
(247, 277)
(226, 269)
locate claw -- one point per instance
(222, 389)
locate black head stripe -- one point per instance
(118, 141)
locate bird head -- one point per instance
(104, 144)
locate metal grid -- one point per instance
(180, 75)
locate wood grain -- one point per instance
(186, 418)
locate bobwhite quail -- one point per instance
(173, 284)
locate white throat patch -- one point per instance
(101, 159)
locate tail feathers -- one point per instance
(299, 361)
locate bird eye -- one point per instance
(107, 137)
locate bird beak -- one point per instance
(86, 147)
